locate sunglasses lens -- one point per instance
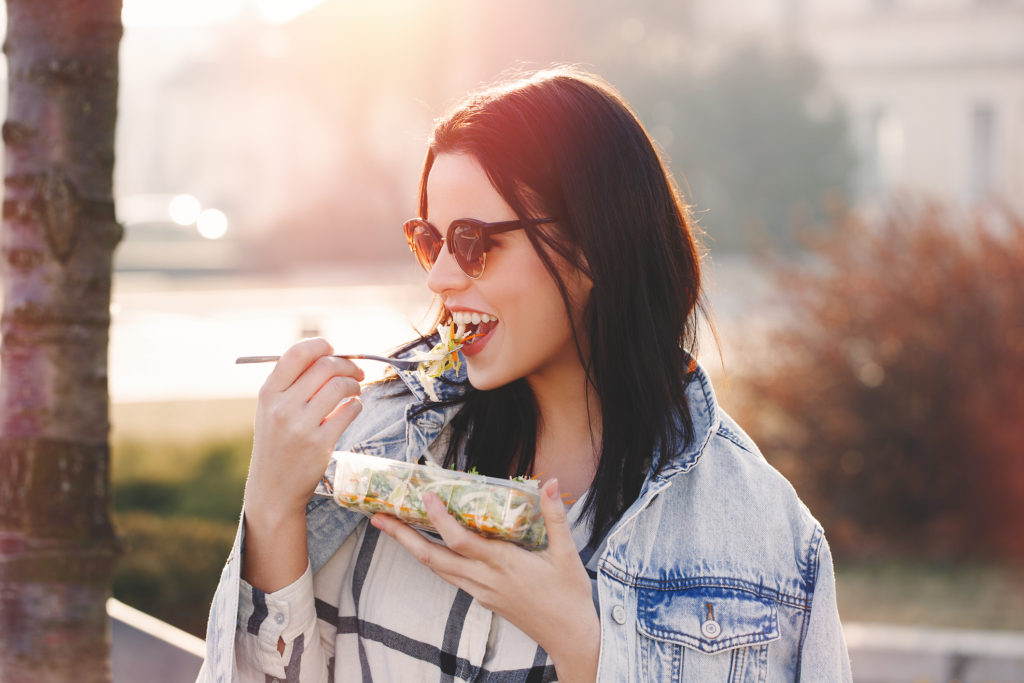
(424, 243)
(467, 241)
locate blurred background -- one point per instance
(856, 168)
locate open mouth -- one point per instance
(473, 327)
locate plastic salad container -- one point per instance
(495, 508)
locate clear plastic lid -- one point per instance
(495, 508)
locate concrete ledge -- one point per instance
(143, 648)
(884, 653)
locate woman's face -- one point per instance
(532, 336)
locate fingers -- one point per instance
(334, 389)
(460, 544)
(434, 556)
(320, 372)
(458, 538)
(294, 362)
(553, 510)
(306, 403)
(309, 384)
(341, 417)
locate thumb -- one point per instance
(553, 511)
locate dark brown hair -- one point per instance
(563, 143)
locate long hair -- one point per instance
(563, 143)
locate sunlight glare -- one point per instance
(171, 13)
(212, 224)
(184, 209)
(164, 13)
(283, 11)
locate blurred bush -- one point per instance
(171, 566)
(893, 394)
(176, 508)
(203, 480)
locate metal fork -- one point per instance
(399, 363)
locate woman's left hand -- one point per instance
(546, 593)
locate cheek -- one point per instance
(539, 306)
(540, 329)
(536, 304)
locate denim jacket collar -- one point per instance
(425, 417)
(703, 408)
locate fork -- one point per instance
(398, 363)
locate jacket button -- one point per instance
(619, 614)
(710, 629)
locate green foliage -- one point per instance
(762, 148)
(176, 510)
(157, 497)
(171, 566)
(758, 144)
(198, 480)
(892, 397)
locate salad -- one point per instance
(496, 508)
(441, 358)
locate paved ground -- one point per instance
(880, 653)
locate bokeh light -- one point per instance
(212, 224)
(184, 209)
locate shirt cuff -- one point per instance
(265, 618)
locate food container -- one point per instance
(496, 508)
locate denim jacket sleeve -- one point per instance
(823, 653)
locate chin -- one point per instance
(486, 381)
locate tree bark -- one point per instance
(57, 544)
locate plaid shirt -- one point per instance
(374, 613)
(717, 525)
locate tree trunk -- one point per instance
(57, 545)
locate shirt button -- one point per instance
(710, 629)
(619, 614)
(279, 618)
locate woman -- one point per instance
(548, 224)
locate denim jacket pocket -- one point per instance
(705, 633)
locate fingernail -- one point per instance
(553, 489)
(377, 521)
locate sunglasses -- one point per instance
(468, 241)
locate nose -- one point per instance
(446, 275)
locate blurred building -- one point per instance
(934, 89)
(309, 134)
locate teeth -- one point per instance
(472, 318)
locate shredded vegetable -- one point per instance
(441, 358)
(494, 508)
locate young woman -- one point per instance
(548, 224)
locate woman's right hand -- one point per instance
(304, 406)
(306, 403)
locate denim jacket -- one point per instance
(716, 573)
